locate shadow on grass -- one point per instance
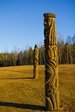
(22, 106)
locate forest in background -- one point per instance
(66, 54)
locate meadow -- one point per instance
(19, 92)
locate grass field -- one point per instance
(19, 92)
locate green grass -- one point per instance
(18, 89)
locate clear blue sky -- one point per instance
(21, 21)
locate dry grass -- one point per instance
(19, 92)
(67, 87)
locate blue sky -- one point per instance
(21, 21)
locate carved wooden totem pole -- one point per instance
(35, 62)
(51, 63)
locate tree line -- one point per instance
(66, 54)
(66, 50)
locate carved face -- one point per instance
(47, 22)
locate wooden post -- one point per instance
(51, 63)
(35, 61)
